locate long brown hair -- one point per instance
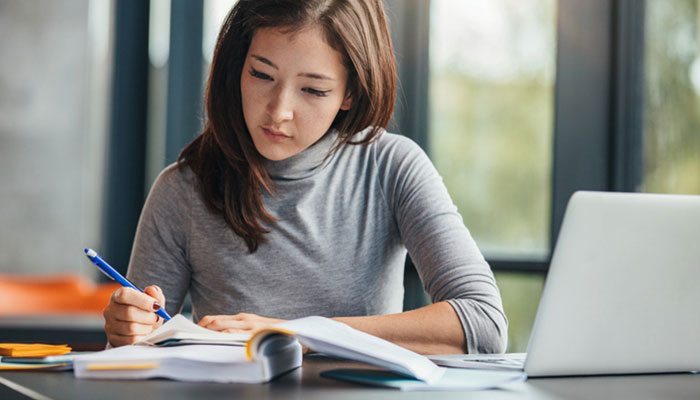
(230, 172)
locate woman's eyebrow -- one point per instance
(316, 76)
(264, 60)
(311, 75)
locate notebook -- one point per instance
(621, 295)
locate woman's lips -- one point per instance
(275, 136)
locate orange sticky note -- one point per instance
(32, 349)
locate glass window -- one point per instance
(215, 11)
(521, 296)
(671, 138)
(158, 56)
(491, 106)
(491, 120)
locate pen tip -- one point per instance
(90, 252)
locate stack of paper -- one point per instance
(58, 363)
(33, 356)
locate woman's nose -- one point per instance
(280, 107)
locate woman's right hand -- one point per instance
(130, 315)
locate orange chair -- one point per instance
(53, 294)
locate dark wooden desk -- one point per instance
(305, 383)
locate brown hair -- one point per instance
(230, 172)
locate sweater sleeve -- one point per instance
(159, 254)
(449, 263)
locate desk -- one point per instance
(305, 383)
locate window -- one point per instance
(671, 139)
(175, 103)
(491, 113)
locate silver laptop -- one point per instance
(622, 295)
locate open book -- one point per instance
(180, 330)
(270, 353)
(403, 369)
(333, 338)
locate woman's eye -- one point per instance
(315, 92)
(260, 75)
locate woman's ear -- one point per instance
(347, 102)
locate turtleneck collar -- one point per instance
(305, 163)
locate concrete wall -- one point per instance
(50, 137)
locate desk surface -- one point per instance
(305, 383)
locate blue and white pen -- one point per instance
(114, 275)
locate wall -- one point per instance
(51, 134)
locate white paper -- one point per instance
(200, 352)
(187, 331)
(334, 338)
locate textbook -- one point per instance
(333, 338)
(181, 350)
(268, 354)
(191, 363)
(402, 369)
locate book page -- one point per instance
(134, 353)
(181, 330)
(335, 338)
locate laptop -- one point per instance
(622, 295)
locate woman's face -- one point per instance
(292, 87)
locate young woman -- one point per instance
(293, 201)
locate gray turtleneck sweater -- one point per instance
(338, 247)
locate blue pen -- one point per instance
(116, 276)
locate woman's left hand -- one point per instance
(242, 322)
